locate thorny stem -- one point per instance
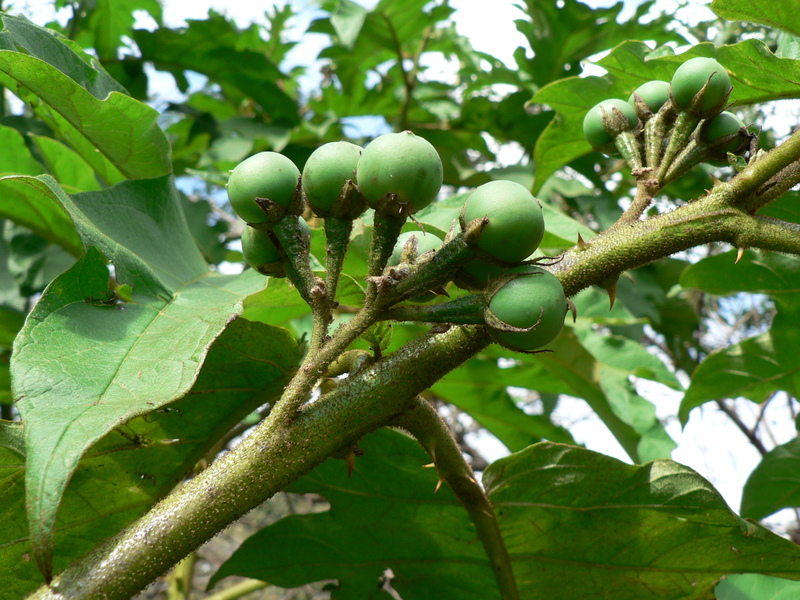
(423, 422)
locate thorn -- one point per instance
(438, 485)
(581, 244)
(739, 255)
(350, 459)
(610, 286)
(429, 465)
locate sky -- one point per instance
(709, 443)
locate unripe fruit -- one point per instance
(535, 296)
(724, 124)
(654, 93)
(258, 249)
(593, 128)
(402, 164)
(692, 75)
(326, 171)
(264, 175)
(516, 224)
(425, 242)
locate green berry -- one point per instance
(326, 171)
(594, 130)
(692, 75)
(261, 253)
(725, 124)
(654, 93)
(402, 164)
(535, 296)
(258, 249)
(516, 224)
(264, 175)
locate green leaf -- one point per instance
(111, 364)
(65, 165)
(32, 261)
(579, 524)
(754, 368)
(91, 110)
(787, 207)
(143, 354)
(347, 21)
(562, 34)
(479, 387)
(588, 367)
(379, 337)
(776, 275)
(385, 516)
(138, 462)
(215, 47)
(777, 15)
(775, 482)
(140, 226)
(110, 21)
(756, 587)
(15, 158)
(35, 202)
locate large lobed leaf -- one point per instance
(386, 516)
(581, 525)
(780, 15)
(577, 524)
(82, 367)
(121, 475)
(117, 135)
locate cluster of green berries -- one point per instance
(398, 174)
(661, 119)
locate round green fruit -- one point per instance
(402, 164)
(692, 75)
(258, 249)
(264, 175)
(326, 171)
(425, 243)
(725, 124)
(535, 296)
(593, 129)
(654, 93)
(516, 224)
